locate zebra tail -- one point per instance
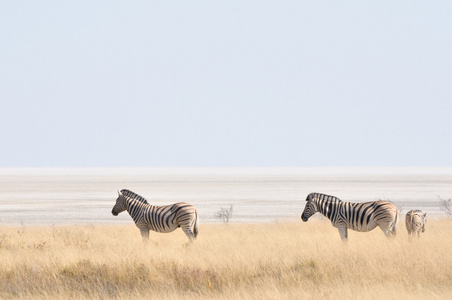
(195, 227)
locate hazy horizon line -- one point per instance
(331, 170)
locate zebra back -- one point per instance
(131, 195)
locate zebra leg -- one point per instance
(144, 234)
(344, 233)
(188, 233)
(388, 230)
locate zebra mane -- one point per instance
(323, 197)
(131, 195)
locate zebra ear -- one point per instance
(119, 193)
(425, 215)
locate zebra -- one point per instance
(356, 216)
(415, 222)
(157, 218)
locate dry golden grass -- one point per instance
(246, 261)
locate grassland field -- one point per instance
(236, 261)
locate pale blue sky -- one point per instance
(236, 83)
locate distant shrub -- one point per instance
(446, 206)
(224, 214)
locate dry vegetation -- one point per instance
(247, 261)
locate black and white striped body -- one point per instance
(356, 216)
(157, 218)
(415, 222)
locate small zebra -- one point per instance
(356, 216)
(415, 222)
(157, 218)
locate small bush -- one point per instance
(225, 214)
(446, 206)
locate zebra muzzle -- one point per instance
(114, 213)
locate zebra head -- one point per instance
(425, 221)
(310, 208)
(120, 205)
